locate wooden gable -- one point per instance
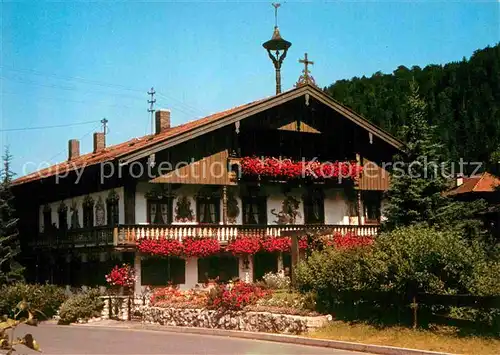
(210, 170)
(374, 177)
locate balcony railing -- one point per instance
(82, 237)
(128, 235)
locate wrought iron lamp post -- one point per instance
(277, 49)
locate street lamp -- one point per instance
(277, 49)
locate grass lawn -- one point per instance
(442, 339)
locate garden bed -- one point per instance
(268, 306)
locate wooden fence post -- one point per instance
(415, 310)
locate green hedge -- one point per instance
(83, 305)
(376, 282)
(44, 298)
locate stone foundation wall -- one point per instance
(231, 320)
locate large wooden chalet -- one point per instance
(83, 216)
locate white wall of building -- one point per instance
(78, 200)
(336, 207)
(336, 204)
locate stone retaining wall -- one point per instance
(232, 320)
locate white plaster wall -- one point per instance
(336, 204)
(187, 190)
(140, 202)
(336, 207)
(79, 201)
(243, 273)
(191, 279)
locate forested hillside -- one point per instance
(463, 101)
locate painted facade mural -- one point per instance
(289, 211)
(75, 223)
(183, 210)
(100, 217)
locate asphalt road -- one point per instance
(55, 339)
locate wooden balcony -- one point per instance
(75, 238)
(128, 235)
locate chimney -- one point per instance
(460, 180)
(162, 120)
(99, 141)
(73, 149)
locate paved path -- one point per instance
(55, 339)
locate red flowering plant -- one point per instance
(162, 247)
(245, 245)
(288, 169)
(123, 276)
(276, 244)
(350, 240)
(303, 243)
(281, 244)
(235, 296)
(200, 247)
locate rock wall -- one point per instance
(231, 320)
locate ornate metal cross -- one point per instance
(306, 62)
(305, 78)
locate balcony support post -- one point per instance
(224, 204)
(295, 257)
(359, 206)
(191, 276)
(280, 262)
(137, 269)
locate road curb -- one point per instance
(280, 338)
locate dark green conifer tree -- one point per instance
(10, 269)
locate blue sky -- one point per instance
(71, 62)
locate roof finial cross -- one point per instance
(305, 78)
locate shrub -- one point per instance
(484, 281)
(44, 298)
(276, 281)
(422, 259)
(85, 305)
(289, 300)
(333, 272)
(375, 282)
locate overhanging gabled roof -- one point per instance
(256, 107)
(138, 148)
(485, 182)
